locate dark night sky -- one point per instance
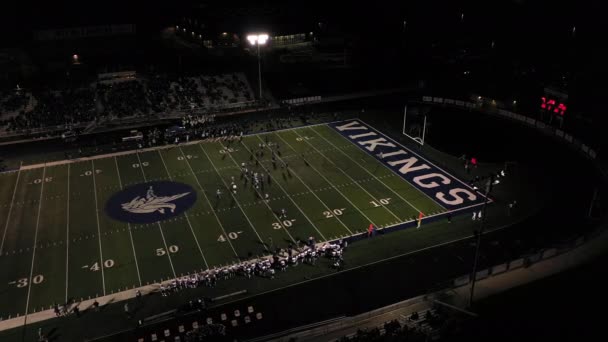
(546, 14)
(522, 24)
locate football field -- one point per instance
(85, 228)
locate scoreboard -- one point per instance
(552, 105)
(554, 102)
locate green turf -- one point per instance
(60, 210)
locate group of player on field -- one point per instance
(266, 268)
(256, 179)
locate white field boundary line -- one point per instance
(209, 202)
(401, 176)
(129, 152)
(10, 210)
(308, 187)
(125, 295)
(160, 228)
(185, 213)
(292, 128)
(333, 186)
(445, 213)
(349, 177)
(233, 196)
(101, 261)
(485, 232)
(15, 322)
(128, 226)
(153, 148)
(426, 160)
(366, 170)
(10, 171)
(121, 154)
(266, 203)
(67, 239)
(29, 284)
(285, 192)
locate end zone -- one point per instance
(448, 191)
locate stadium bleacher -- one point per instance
(123, 98)
(54, 108)
(417, 326)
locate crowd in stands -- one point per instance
(269, 268)
(187, 93)
(392, 331)
(56, 108)
(157, 93)
(226, 88)
(205, 333)
(417, 327)
(13, 101)
(124, 98)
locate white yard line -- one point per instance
(10, 210)
(29, 287)
(352, 179)
(292, 128)
(125, 295)
(348, 269)
(234, 197)
(208, 202)
(306, 185)
(129, 227)
(160, 228)
(333, 186)
(266, 203)
(285, 192)
(101, 260)
(366, 170)
(67, 239)
(186, 214)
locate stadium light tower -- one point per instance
(473, 276)
(258, 39)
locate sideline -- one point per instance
(457, 296)
(131, 293)
(157, 148)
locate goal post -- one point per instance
(413, 128)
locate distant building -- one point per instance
(84, 32)
(226, 25)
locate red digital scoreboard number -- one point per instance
(553, 106)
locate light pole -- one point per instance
(478, 242)
(258, 39)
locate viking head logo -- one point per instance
(152, 203)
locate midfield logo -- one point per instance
(151, 202)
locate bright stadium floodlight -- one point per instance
(262, 39)
(258, 39)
